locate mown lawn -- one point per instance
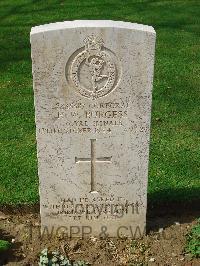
(174, 153)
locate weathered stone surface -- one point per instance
(92, 87)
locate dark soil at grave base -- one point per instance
(164, 248)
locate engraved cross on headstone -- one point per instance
(93, 160)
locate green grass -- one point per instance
(193, 241)
(4, 245)
(174, 150)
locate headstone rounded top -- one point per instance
(91, 23)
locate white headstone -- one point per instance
(92, 87)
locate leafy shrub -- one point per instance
(56, 259)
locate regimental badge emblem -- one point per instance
(93, 70)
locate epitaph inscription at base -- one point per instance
(92, 89)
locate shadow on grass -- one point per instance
(167, 210)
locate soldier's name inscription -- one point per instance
(89, 117)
